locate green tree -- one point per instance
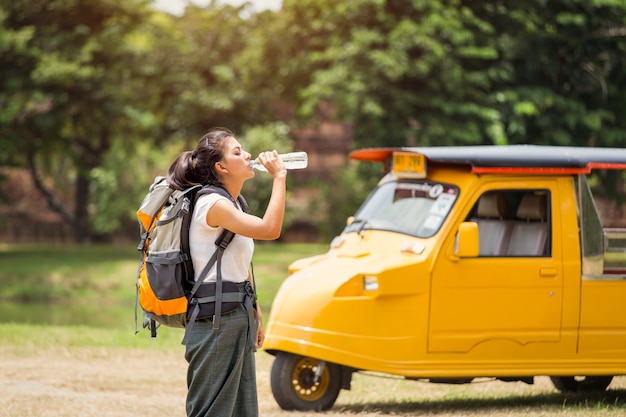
(98, 96)
(202, 69)
(404, 73)
(432, 72)
(565, 63)
(70, 90)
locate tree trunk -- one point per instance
(79, 220)
(82, 229)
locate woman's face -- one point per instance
(236, 160)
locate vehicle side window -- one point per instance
(513, 223)
(592, 232)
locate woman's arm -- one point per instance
(268, 227)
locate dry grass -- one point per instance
(58, 371)
(112, 382)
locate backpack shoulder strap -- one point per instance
(225, 237)
(243, 203)
(190, 195)
(208, 189)
(222, 243)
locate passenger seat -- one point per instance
(493, 229)
(530, 230)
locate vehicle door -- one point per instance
(511, 295)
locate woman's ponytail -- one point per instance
(180, 174)
(198, 167)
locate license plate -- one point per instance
(409, 164)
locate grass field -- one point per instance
(105, 274)
(83, 370)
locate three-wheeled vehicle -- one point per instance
(464, 262)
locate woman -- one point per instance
(221, 377)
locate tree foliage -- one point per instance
(567, 63)
(402, 72)
(97, 96)
(431, 72)
(69, 91)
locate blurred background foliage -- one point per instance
(98, 96)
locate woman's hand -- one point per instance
(260, 334)
(272, 162)
(260, 337)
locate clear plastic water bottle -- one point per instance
(292, 160)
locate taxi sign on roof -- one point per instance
(409, 164)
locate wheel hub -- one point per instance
(304, 383)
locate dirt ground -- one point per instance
(89, 382)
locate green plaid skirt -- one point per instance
(221, 378)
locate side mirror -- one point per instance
(467, 243)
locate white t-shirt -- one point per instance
(237, 256)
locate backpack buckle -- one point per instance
(249, 291)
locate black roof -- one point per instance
(509, 156)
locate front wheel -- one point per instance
(581, 383)
(304, 384)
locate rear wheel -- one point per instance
(304, 384)
(581, 383)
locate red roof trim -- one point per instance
(547, 170)
(605, 165)
(528, 170)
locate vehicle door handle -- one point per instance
(548, 272)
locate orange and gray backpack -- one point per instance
(165, 280)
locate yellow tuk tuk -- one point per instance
(464, 262)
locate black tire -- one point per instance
(581, 383)
(294, 387)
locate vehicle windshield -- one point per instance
(412, 207)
